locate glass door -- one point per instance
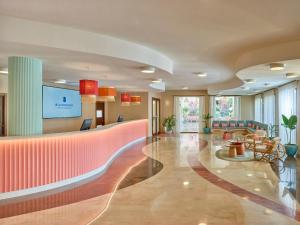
(155, 116)
(188, 112)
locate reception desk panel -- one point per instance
(30, 162)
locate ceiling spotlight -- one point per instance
(60, 81)
(200, 74)
(4, 70)
(245, 88)
(185, 88)
(267, 84)
(276, 66)
(157, 80)
(292, 75)
(250, 81)
(148, 69)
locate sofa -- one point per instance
(250, 125)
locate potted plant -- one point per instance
(206, 120)
(273, 131)
(169, 124)
(290, 125)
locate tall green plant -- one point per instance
(169, 122)
(206, 118)
(290, 125)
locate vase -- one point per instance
(206, 130)
(168, 131)
(291, 149)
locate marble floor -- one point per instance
(171, 180)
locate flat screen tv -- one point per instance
(61, 103)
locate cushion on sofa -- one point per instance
(232, 124)
(224, 124)
(216, 125)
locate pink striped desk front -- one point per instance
(28, 162)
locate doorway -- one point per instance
(100, 113)
(2, 115)
(188, 112)
(155, 116)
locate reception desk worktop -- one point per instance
(39, 163)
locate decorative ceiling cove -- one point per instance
(111, 41)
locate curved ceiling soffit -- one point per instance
(268, 54)
(230, 84)
(23, 31)
(273, 53)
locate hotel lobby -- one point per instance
(149, 112)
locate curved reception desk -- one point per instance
(34, 164)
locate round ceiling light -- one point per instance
(185, 88)
(245, 88)
(60, 81)
(250, 81)
(276, 66)
(148, 69)
(292, 75)
(200, 74)
(157, 80)
(4, 70)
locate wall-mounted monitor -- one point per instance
(61, 103)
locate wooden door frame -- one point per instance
(4, 113)
(158, 100)
(103, 113)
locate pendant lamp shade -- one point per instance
(107, 94)
(125, 99)
(135, 100)
(88, 87)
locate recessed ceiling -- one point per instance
(198, 35)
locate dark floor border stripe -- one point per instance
(202, 171)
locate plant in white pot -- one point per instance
(169, 124)
(290, 125)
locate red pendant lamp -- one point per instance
(88, 87)
(125, 99)
(135, 100)
(107, 94)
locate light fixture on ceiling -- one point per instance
(201, 74)
(148, 69)
(276, 66)
(245, 88)
(157, 80)
(60, 81)
(292, 75)
(4, 70)
(249, 81)
(267, 84)
(107, 94)
(185, 88)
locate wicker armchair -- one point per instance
(269, 150)
(257, 138)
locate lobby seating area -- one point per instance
(250, 125)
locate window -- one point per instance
(225, 107)
(287, 102)
(269, 107)
(258, 108)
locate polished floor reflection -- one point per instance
(184, 184)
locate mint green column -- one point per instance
(24, 96)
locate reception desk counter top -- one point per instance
(38, 163)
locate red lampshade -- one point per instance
(125, 99)
(135, 100)
(88, 87)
